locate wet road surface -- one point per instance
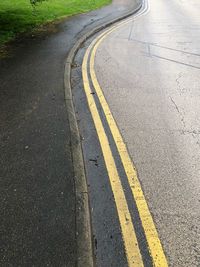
(149, 72)
(37, 206)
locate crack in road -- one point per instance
(179, 112)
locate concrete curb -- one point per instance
(83, 223)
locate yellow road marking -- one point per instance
(155, 247)
(130, 241)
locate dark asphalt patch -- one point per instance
(107, 239)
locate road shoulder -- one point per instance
(84, 238)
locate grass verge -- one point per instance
(18, 16)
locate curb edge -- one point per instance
(83, 222)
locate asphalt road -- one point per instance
(149, 72)
(37, 199)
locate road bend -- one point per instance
(136, 91)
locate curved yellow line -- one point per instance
(155, 247)
(130, 241)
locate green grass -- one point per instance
(18, 16)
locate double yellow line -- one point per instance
(134, 257)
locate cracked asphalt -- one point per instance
(149, 71)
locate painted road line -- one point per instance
(155, 247)
(133, 255)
